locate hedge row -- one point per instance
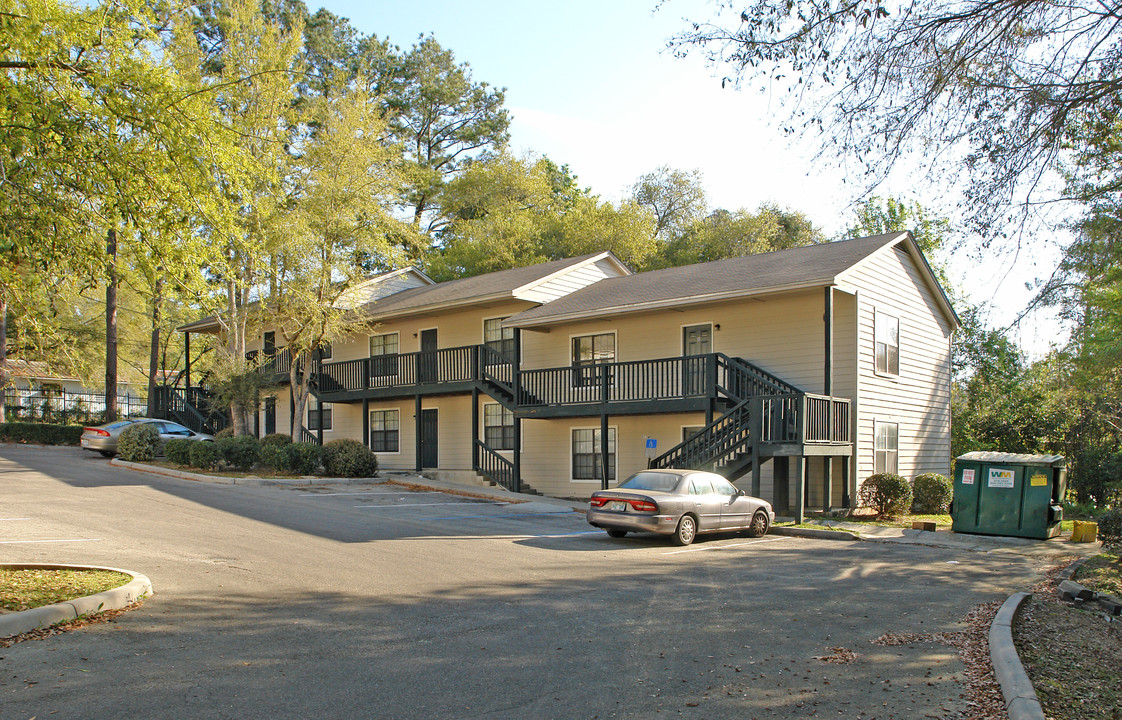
(890, 494)
(339, 458)
(40, 433)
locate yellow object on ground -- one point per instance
(1084, 531)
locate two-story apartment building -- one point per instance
(796, 373)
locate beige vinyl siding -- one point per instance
(547, 448)
(918, 400)
(570, 281)
(781, 334)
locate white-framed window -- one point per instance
(383, 354)
(384, 431)
(319, 413)
(586, 454)
(887, 343)
(499, 338)
(886, 447)
(498, 427)
(590, 351)
(688, 431)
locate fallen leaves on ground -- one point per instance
(45, 632)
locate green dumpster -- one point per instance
(1008, 494)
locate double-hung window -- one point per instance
(587, 457)
(498, 427)
(887, 344)
(886, 448)
(499, 338)
(319, 414)
(384, 427)
(591, 353)
(383, 355)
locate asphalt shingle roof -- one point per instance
(740, 276)
(496, 284)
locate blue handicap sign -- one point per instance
(652, 443)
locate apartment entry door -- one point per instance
(427, 370)
(429, 456)
(696, 340)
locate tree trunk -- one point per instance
(111, 329)
(154, 349)
(3, 360)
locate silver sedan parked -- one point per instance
(103, 438)
(679, 503)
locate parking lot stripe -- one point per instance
(527, 515)
(25, 542)
(723, 547)
(394, 507)
(372, 492)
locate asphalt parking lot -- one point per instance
(381, 602)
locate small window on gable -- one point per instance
(887, 343)
(886, 448)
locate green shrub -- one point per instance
(349, 458)
(932, 493)
(273, 457)
(40, 433)
(203, 455)
(139, 442)
(302, 458)
(276, 439)
(1110, 528)
(239, 452)
(886, 493)
(178, 451)
(224, 433)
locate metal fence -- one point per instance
(38, 405)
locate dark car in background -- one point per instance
(679, 503)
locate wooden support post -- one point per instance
(755, 427)
(827, 482)
(800, 490)
(517, 455)
(604, 451)
(187, 358)
(781, 486)
(366, 422)
(850, 487)
(474, 428)
(417, 422)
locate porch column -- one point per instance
(800, 501)
(187, 357)
(847, 493)
(417, 422)
(517, 454)
(604, 451)
(781, 484)
(755, 429)
(828, 345)
(827, 482)
(474, 428)
(366, 421)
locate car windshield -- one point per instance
(663, 482)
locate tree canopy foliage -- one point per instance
(1013, 89)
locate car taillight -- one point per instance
(97, 431)
(643, 505)
(598, 502)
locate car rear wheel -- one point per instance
(617, 533)
(759, 525)
(106, 453)
(686, 531)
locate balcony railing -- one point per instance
(279, 362)
(803, 418)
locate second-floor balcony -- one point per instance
(676, 384)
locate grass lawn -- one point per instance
(26, 589)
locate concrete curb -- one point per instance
(811, 533)
(247, 480)
(1020, 697)
(26, 620)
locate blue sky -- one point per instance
(590, 84)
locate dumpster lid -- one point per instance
(1012, 458)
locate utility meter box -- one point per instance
(1009, 494)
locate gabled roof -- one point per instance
(515, 283)
(747, 276)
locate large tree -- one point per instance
(1004, 87)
